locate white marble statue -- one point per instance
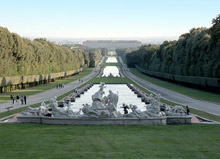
(39, 111)
(176, 111)
(112, 104)
(136, 113)
(31, 111)
(153, 109)
(102, 107)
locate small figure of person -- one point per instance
(22, 100)
(125, 107)
(25, 99)
(12, 99)
(79, 80)
(187, 110)
(62, 85)
(17, 99)
(57, 86)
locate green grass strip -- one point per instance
(19, 141)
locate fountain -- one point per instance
(111, 71)
(104, 111)
(111, 59)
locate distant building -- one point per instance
(112, 44)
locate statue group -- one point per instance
(106, 107)
(102, 106)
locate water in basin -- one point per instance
(111, 60)
(125, 96)
(113, 70)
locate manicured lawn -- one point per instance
(111, 64)
(115, 142)
(4, 97)
(195, 93)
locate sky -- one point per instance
(106, 18)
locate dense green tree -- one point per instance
(196, 53)
(20, 56)
(104, 51)
(215, 31)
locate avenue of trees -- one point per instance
(196, 53)
(91, 55)
(20, 56)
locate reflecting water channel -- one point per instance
(111, 60)
(125, 96)
(111, 70)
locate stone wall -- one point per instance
(108, 121)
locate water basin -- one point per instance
(111, 60)
(125, 96)
(111, 70)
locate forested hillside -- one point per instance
(196, 53)
(20, 56)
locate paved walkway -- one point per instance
(213, 108)
(47, 95)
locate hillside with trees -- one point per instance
(21, 56)
(196, 53)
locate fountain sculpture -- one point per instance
(104, 108)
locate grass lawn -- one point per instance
(4, 97)
(116, 142)
(195, 93)
(111, 64)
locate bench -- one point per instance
(8, 108)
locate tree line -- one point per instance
(196, 53)
(21, 56)
(92, 55)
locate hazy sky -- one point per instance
(106, 18)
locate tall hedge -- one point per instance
(196, 53)
(20, 56)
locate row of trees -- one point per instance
(196, 53)
(20, 56)
(92, 55)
